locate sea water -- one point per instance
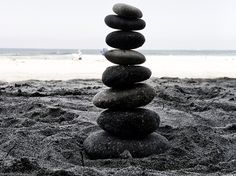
(64, 64)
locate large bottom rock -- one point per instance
(101, 145)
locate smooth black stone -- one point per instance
(122, 76)
(125, 57)
(127, 11)
(125, 24)
(139, 94)
(125, 40)
(101, 145)
(135, 123)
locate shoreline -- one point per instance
(19, 68)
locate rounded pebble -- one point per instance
(139, 94)
(125, 40)
(124, 24)
(122, 76)
(134, 123)
(127, 11)
(125, 57)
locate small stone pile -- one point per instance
(128, 129)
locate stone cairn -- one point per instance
(128, 129)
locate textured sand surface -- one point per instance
(44, 123)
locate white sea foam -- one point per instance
(64, 67)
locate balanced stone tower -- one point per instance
(127, 128)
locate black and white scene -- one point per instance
(123, 88)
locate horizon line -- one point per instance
(117, 48)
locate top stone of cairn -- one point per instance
(127, 11)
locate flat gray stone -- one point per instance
(102, 145)
(125, 57)
(134, 96)
(135, 123)
(125, 40)
(123, 76)
(117, 22)
(127, 11)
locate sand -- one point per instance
(44, 123)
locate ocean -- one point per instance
(64, 64)
(34, 52)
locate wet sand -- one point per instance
(44, 123)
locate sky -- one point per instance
(79, 24)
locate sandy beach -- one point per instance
(44, 123)
(108, 88)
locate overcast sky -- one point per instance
(79, 24)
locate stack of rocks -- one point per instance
(127, 128)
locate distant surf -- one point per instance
(64, 64)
